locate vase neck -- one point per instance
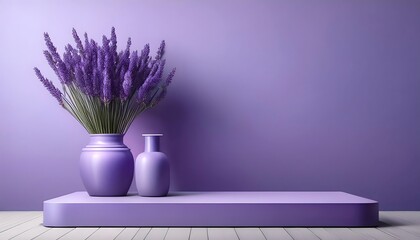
(106, 140)
(152, 142)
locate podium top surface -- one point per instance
(221, 198)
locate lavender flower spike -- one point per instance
(170, 76)
(145, 52)
(62, 70)
(87, 44)
(127, 85)
(160, 51)
(51, 47)
(107, 81)
(106, 90)
(128, 45)
(51, 61)
(50, 87)
(78, 42)
(114, 43)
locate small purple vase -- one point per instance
(106, 165)
(152, 169)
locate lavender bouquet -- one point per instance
(104, 89)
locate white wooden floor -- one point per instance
(28, 225)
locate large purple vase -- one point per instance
(106, 165)
(152, 169)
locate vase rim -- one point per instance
(152, 135)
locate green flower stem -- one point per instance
(98, 117)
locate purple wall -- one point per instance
(269, 95)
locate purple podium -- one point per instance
(210, 209)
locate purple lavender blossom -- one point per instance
(68, 57)
(133, 61)
(106, 88)
(87, 66)
(120, 76)
(144, 89)
(51, 61)
(122, 65)
(151, 81)
(160, 51)
(153, 68)
(107, 82)
(75, 56)
(170, 76)
(141, 65)
(145, 52)
(50, 87)
(144, 57)
(124, 60)
(114, 43)
(87, 45)
(100, 59)
(120, 69)
(162, 90)
(63, 73)
(105, 44)
(94, 52)
(51, 47)
(78, 42)
(96, 88)
(127, 49)
(79, 79)
(161, 66)
(96, 83)
(127, 86)
(98, 70)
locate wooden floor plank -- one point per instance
(12, 217)
(6, 216)
(222, 234)
(12, 222)
(127, 233)
(178, 234)
(157, 234)
(32, 233)
(79, 234)
(20, 228)
(142, 233)
(199, 234)
(373, 233)
(323, 234)
(105, 234)
(406, 221)
(54, 233)
(276, 234)
(301, 234)
(27, 225)
(398, 233)
(249, 234)
(347, 234)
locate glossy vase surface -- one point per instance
(106, 165)
(152, 169)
